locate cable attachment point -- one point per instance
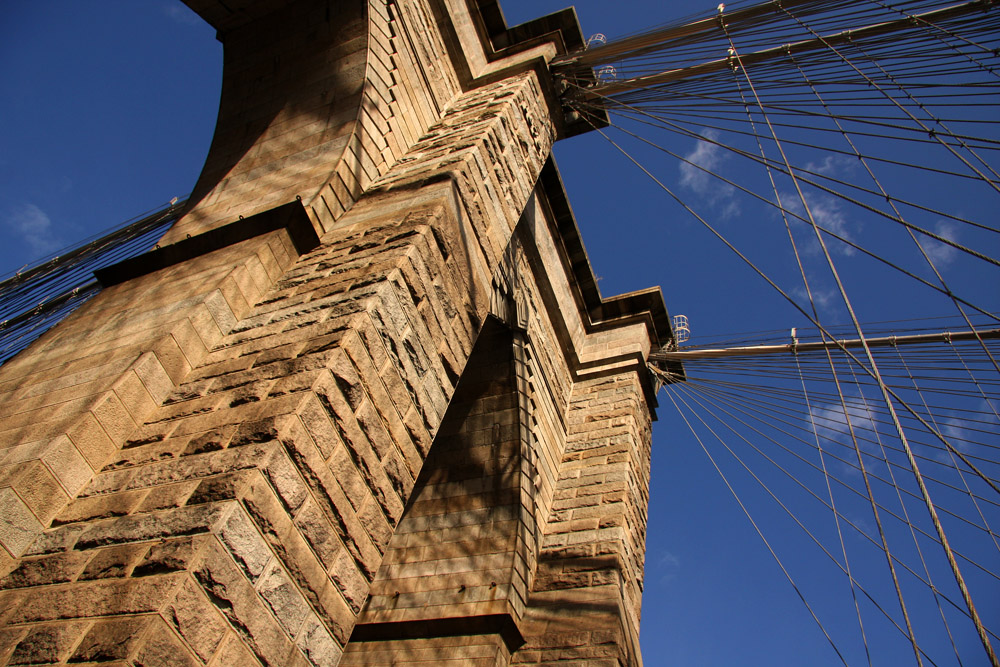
(732, 59)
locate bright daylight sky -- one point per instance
(108, 110)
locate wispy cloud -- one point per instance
(34, 228)
(667, 567)
(826, 300)
(940, 253)
(832, 421)
(833, 424)
(708, 156)
(827, 213)
(181, 14)
(832, 163)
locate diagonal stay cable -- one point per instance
(792, 514)
(759, 532)
(796, 306)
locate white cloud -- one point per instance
(831, 422)
(33, 226)
(832, 163)
(706, 157)
(181, 14)
(940, 253)
(667, 567)
(827, 213)
(826, 300)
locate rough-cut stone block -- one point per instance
(18, 525)
(113, 639)
(284, 599)
(318, 645)
(100, 507)
(92, 441)
(105, 597)
(160, 646)
(47, 644)
(171, 555)
(196, 621)
(231, 592)
(240, 537)
(58, 568)
(113, 561)
(234, 652)
(155, 525)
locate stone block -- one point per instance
(67, 464)
(18, 525)
(319, 532)
(287, 482)
(38, 488)
(196, 621)
(113, 562)
(46, 644)
(112, 639)
(160, 647)
(234, 652)
(92, 441)
(100, 507)
(231, 592)
(133, 394)
(89, 599)
(167, 496)
(58, 568)
(114, 417)
(155, 525)
(172, 359)
(284, 598)
(244, 543)
(318, 644)
(220, 487)
(171, 555)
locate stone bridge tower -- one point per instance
(364, 404)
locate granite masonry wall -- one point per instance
(394, 425)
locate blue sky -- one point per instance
(108, 112)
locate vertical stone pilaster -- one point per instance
(453, 567)
(585, 602)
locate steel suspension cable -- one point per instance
(873, 370)
(759, 532)
(795, 518)
(947, 290)
(792, 302)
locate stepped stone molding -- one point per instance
(364, 405)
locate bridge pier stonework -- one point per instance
(364, 404)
